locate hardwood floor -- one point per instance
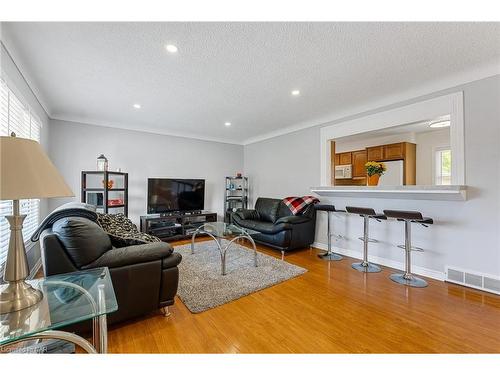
(330, 309)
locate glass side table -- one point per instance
(67, 299)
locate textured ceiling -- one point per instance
(237, 72)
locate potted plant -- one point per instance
(374, 170)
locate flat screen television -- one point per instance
(175, 194)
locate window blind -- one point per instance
(17, 117)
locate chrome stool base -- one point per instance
(366, 267)
(408, 280)
(330, 256)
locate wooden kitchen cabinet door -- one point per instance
(394, 151)
(375, 153)
(345, 158)
(337, 159)
(358, 163)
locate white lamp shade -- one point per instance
(27, 172)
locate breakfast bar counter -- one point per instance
(425, 192)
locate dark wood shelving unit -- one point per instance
(105, 206)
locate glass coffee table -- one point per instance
(67, 299)
(223, 231)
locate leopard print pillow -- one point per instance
(122, 231)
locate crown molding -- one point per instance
(476, 74)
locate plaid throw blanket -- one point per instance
(299, 204)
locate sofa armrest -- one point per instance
(245, 214)
(292, 220)
(125, 256)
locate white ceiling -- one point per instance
(237, 72)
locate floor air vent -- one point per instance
(474, 280)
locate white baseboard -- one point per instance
(422, 271)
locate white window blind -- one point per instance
(17, 117)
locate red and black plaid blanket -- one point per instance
(299, 204)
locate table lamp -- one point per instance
(25, 172)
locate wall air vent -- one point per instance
(472, 279)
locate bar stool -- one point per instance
(409, 217)
(366, 214)
(329, 209)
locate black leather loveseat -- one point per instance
(278, 227)
(144, 276)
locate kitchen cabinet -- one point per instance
(375, 153)
(358, 163)
(345, 158)
(404, 151)
(395, 151)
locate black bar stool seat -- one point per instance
(329, 209)
(366, 213)
(413, 216)
(409, 217)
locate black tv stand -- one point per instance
(177, 213)
(175, 225)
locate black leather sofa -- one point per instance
(145, 276)
(276, 224)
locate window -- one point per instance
(443, 166)
(18, 118)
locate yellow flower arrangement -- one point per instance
(373, 167)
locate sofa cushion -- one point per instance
(83, 240)
(247, 214)
(263, 226)
(292, 220)
(267, 209)
(125, 256)
(283, 210)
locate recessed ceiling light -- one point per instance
(440, 124)
(171, 48)
(295, 92)
(137, 106)
(227, 123)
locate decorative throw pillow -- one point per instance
(122, 231)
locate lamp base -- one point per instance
(18, 295)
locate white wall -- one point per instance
(283, 166)
(466, 234)
(427, 143)
(75, 147)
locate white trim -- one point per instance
(417, 270)
(451, 104)
(436, 192)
